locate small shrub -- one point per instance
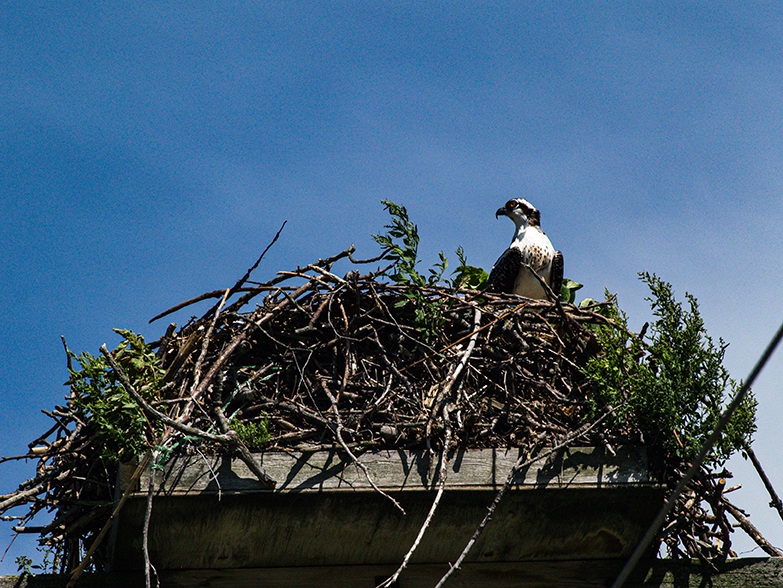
(675, 387)
(122, 430)
(254, 434)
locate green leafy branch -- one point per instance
(122, 430)
(468, 276)
(401, 243)
(676, 386)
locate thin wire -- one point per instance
(669, 504)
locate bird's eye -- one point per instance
(511, 204)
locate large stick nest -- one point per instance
(325, 361)
(352, 347)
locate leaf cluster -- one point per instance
(675, 387)
(122, 429)
(468, 276)
(401, 244)
(254, 434)
(568, 290)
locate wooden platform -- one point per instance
(212, 514)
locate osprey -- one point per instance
(529, 246)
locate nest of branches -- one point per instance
(314, 360)
(363, 357)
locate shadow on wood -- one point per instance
(210, 514)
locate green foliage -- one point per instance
(468, 276)
(52, 558)
(254, 434)
(568, 290)
(24, 564)
(402, 245)
(403, 253)
(49, 565)
(676, 387)
(122, 429)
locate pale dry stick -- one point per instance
(292, 301)
(246, 277)
(304, 382)
(317, 313)
(298, 410)
(330, 276)
(361, 466)
(249, 292)
(242, 450)
(231, 347)
(234, 289)
(182, 355)
(446, 390)
(396, 324)
(35, 445)
(252, 292)
(148, 567)
(155, 414)
(216, 366)
(186, 349)
(266, 333)
(371, 410)
(330, 298)
(371, 260)
(68, 363)
(443, 394)
(551, 329)
(301, 272)
(211, 473)
(329, 261)
(382, 397)
(145, 462)
(378, 401)
(473, 334)
(520, 464)
(347, 371)
(751, 530)
(16, 498)
(281, 278)
(775, 499)
(149, 458)
(205, 343)
(65, 444)
(388, 363)
(443, 472)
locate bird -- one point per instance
(531, 246)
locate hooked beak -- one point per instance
(501, 211)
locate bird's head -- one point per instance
(521, 212)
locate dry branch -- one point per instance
(774, 498)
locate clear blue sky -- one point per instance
(150, 151)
